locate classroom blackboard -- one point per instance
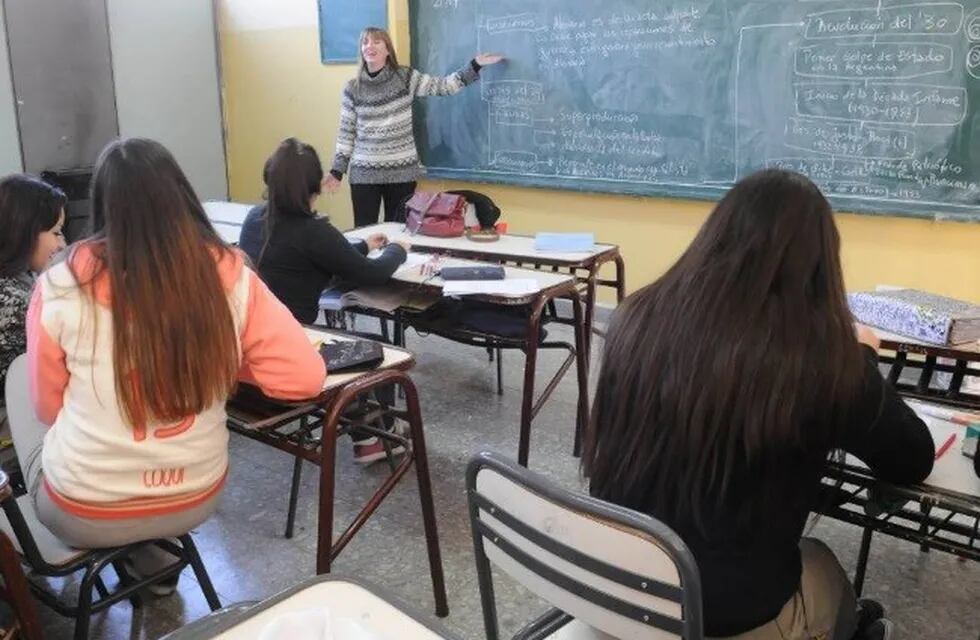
(876, 101)
(341, 23)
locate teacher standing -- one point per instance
(376, 142)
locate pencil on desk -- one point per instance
(945, 446)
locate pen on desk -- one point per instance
(945, 446)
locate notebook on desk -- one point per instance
(921, 315)
(352, 355)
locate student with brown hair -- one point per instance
(724, 387)
(133, 345)
(376, 140)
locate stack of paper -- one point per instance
(508, 287)
(412, 261)
(386, 297)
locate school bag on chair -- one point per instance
(435, 214)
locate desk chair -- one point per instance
(248, 408)
(512, 333)
(608, 571)
(47, 557)
(369, 415)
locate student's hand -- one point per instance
(376, 241)
(487, 59)
(866, 335)
(331, 184)
(404, 244)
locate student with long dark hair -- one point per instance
(133, 345)
(724, 387)
(299, 253)
(32, 214)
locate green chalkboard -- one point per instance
(876, 101)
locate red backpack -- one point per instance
(436, 214)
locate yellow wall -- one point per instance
(275, 87)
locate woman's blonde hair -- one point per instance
(380, 34)
(392, 61)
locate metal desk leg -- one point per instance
(327, 548)
(530, 366)
(324, 526)
(925, 376)
(925, 509)
(294, 486)
(425, 494)
(500, 371)
(582, 371)
(862, 563)
(896, 369)
(620, 278)
(590, 299)
(956, 381)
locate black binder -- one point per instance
(352, 355)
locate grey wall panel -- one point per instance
(62, 79)
(10, 160)
(165, 66)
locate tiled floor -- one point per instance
(929, 596)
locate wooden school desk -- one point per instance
(547, 288)
(902, 354)
(380, 615)
(519, 251)
(227, 212)
(271, 422)
(230, 233)
(941, 513)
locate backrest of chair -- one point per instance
(619, 571)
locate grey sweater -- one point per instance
(376, 142)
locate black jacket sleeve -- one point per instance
(253, 234)
(886, 434)
(331, 253)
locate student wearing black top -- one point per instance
(304, 252)
(725, 385)
(298, 253)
